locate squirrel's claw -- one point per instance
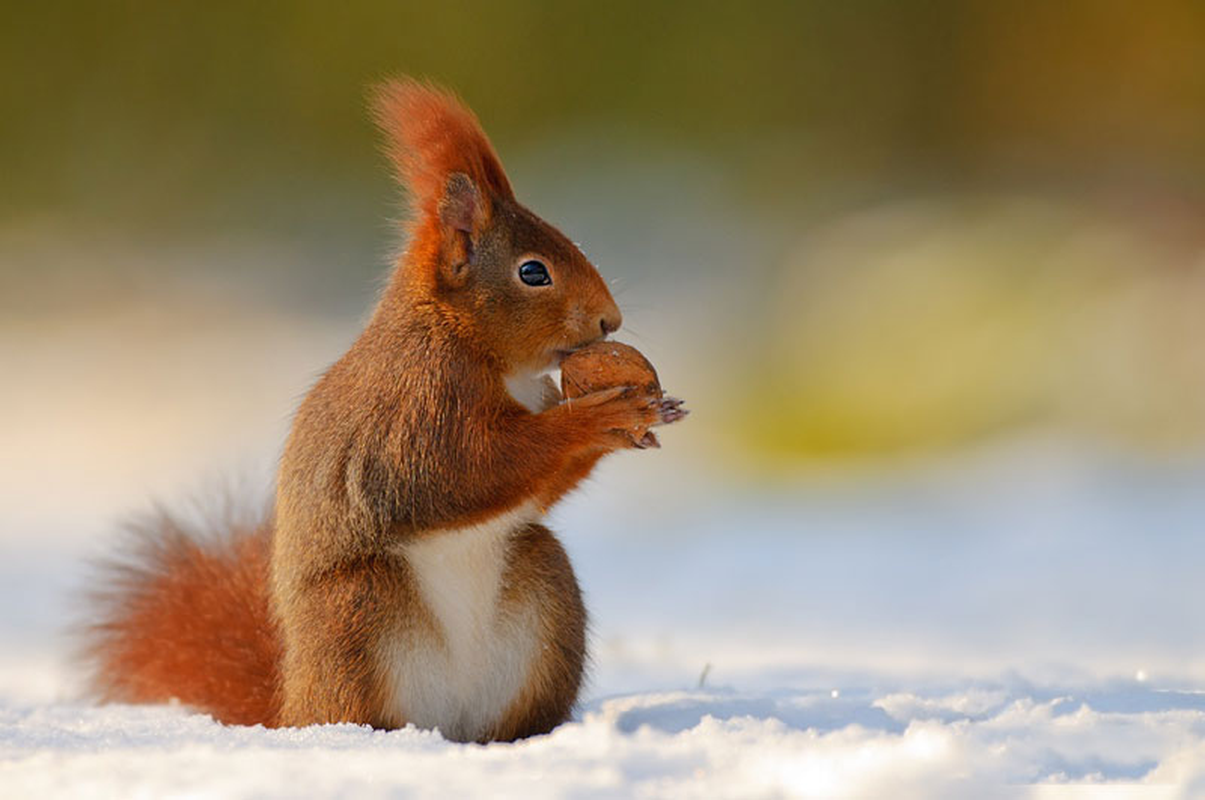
(649, 440)
(670, 410)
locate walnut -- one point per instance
(603, 365)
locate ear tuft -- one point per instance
(430, 137)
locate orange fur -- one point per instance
(188, 619)
(428, 136)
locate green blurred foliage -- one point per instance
(935, 322)
(174, 114)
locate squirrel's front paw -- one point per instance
(669, 410)
(623, 417)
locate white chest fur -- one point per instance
(463, 679)
(531, 389)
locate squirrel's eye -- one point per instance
(534, 273)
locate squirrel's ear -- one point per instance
(430, 137)
(460, 207)
(461, 214)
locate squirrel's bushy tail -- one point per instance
(185, 614)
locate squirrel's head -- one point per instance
(518, 285)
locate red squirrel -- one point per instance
(404, 575)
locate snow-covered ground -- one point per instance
(1022, 621)
(975, 742)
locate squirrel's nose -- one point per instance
(610, 321)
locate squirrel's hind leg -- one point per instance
(333, 634)
(539, 575)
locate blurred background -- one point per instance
(936, 263)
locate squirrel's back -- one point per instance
(185, 615)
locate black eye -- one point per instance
(534, 273)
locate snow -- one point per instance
(1022, 621)
(655, 744)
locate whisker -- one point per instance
(635, 334)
